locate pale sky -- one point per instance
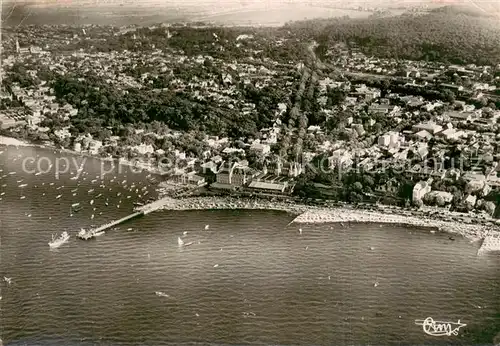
(487, 6)
(382, 3)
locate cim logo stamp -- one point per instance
(439, 328)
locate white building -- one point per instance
(470, 201)
(421, 189)
(94, 146)
(384, 140)
(144, 149)
(261, 149)
(432, 128)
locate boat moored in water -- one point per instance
(89, 234)
(182, 243)
(56, 242)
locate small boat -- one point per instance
(38, 173)
(56, 242)
(249, 314)
(207, 227)
(181, 242)
(162, 294)
(97, 234)
(74, 178)
(23, 185)
(451, 238)
(58, 196)
(7, 280)
(138, 204)
(91, 202)
(86, 235)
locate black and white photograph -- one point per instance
(249, 172)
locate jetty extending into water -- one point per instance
(138, 212)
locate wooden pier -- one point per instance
(138, 212)
(117, 222)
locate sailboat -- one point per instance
(181, 242)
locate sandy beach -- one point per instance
(13, 142)
(473, 232)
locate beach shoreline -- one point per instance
(10, 142)
(316, 215)
(305, 214)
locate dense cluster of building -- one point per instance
(386, 127)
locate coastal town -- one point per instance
(175, 173)
(264, 121)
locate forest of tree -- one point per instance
(443, 35)
(100, 105)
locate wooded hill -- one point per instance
(450, 35)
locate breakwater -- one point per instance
(227, 203)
